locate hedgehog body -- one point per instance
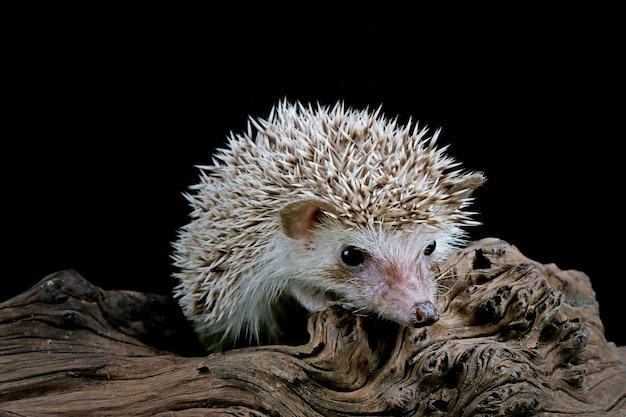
(321, 205)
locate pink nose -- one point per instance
(425, 314)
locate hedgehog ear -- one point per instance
(467, 186)
(299, 218)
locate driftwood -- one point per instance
(516, 338)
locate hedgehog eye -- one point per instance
(352, 256)
(430, 248)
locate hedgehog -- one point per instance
(315, 206)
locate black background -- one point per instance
(108, 110)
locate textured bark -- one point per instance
(516, 338)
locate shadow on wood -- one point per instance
(516, 338)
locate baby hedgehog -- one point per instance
(318, 205)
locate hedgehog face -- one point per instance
(383, 271)
(397, 284)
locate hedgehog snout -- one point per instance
(425, 313)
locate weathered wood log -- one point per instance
(516, 338)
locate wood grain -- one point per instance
(516, 338)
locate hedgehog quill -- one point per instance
(319, 205)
